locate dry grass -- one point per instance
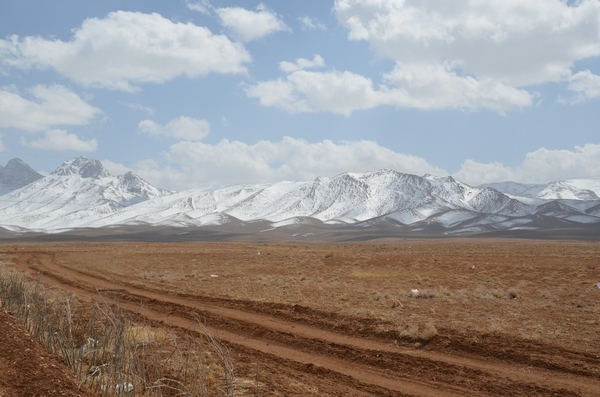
(538, 290)
(422, 333)
(113, 355)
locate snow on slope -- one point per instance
(347, 198)
(515, 189)
(81, 193)
(573, 189)
(577, 189)
(77, 193)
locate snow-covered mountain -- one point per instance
(75, 194)
(82, 194)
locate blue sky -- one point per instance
(196, 93)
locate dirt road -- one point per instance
(299, 350)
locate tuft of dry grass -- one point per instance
(423, 333)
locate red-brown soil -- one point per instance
(492, 318)
(28, 369)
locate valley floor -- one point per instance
(486, 317)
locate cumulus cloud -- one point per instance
(61, 140)
(49, 106)
(407, 86)
(128, 48)
(304, 91)
(249, 25)
(518, 43)
(198, 164)
(466, 55)
(301, 64)
(182, 128)
(438, 86)
(486, 53)
(585, 85)
(540, 166)
(188, 165)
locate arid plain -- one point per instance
(447, 317)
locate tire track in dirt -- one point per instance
(320, 364)
(368, 361)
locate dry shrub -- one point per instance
(419, 332)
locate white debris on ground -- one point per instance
(125, 387)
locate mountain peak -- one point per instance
(84, 167)
(17, 173)
(16, 163)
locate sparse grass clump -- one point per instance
(418, 332)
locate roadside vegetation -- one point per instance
(111, 353)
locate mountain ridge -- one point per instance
(81, 193)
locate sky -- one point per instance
(197, 93)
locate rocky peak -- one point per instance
(133, 182)
(86, 168)
(137, 185)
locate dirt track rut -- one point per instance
(366, 366)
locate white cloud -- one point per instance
(585, 85)
(2, 146)
(50, 106)
(183, 128)
(540, 166)
(467, 55)
(137, 106)
(303, 91)
(61, 140)
(116, 168)
(232, 162)
(493, 48)
(302, 64)
(408, 86)
(518, 43)
(128, 48)
(249, 25)
(311, 23)
(431, 86)
(203, 6)
(475, 173)
(190, 165)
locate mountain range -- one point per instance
(82, 195)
